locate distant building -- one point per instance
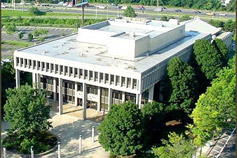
(225, 2)
(112, 61)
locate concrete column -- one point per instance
(64, 71)
(138, 100)
(104, 77)
(38, 80)
(20, 61)
(28, 63)
(24, 63)
(115, 80)
(84, 101)
(126, 82)
(50, 68)
(99, 99)
(54, 89)
(33, 80)
(68, 71)
(73, 72)
(132, 83)
(120, 81)
(75, 94)
(17, 78)
(123, 97)
(109, 98)
(60, 94)
(151, 94)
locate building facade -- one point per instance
(107, 63)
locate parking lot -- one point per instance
(7, 50)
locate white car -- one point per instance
(222, 14)
(158, 10)
(124, 7)
(3, 6)
(101, 7)
(60, 3)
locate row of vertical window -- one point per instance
(78, 73)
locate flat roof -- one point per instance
(68, 48)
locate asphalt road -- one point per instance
(149, 11)
(230, 149)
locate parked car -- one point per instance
(48, 10)
(60, 3)
(124, 7)
(210, 14)
(3, 6)
(101, 7)
(197, 12)
(140, 7)
(178, 10)
(222, 14)
(158, 10)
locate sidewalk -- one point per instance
(68, 129)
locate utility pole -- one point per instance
(96, 11)
(107, 10)
(82, 16)
(13, 4)
(22, 3)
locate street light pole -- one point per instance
(107, 10)
(96, 11)
(157, 3)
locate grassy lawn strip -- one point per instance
(17, 43)
(17, 13)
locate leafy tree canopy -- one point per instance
(129, 12)
(26, 111)
(183, 85)
(176, 147)
(122, 129)
(207, 58)
(216, 108)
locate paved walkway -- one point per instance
(68, 129)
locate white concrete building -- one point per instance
(108, 62)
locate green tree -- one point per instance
(27, 114)
(208, 59)
(8, 79)
(164, 18)
(30, 37)
(35, 11)
(185, 18)
(216, 108)
(36, 33)
(221, 49)
(154, 116)
(42, 39)
(122, 130)
(176, 147)
(129, 12)
(183, 86)
(10, 28)
(20, 35)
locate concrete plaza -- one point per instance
(68, 128)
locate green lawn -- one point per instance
(17, 43)
(17, 13)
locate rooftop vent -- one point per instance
(44, 52)
(132, 34)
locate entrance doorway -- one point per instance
(92, 104)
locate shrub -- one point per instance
(20, 35)
(35, 11)
(30, 37)
(10, 28)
